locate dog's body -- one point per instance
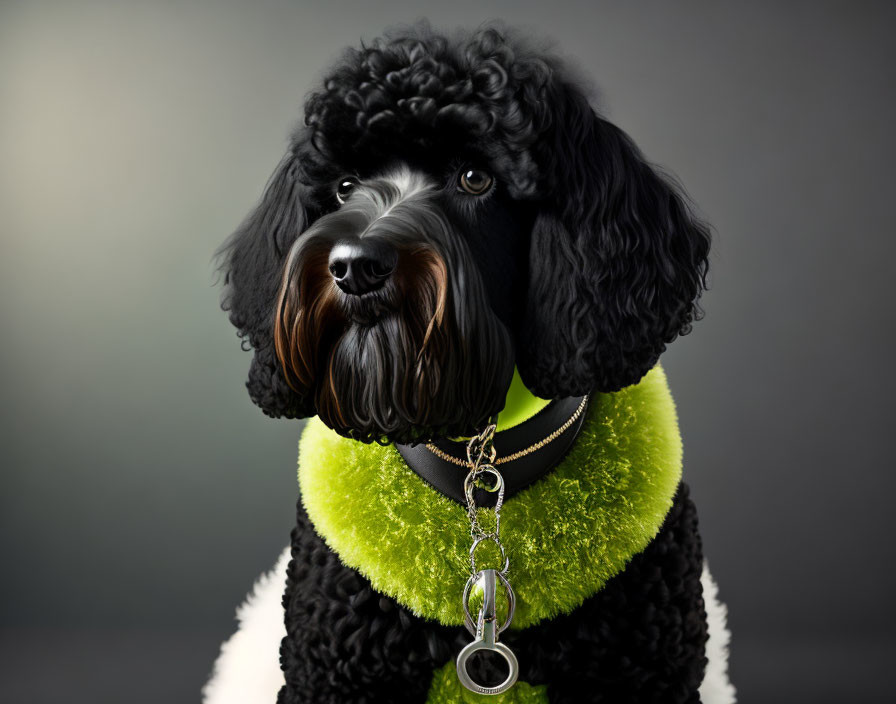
(452, 211)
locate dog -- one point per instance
(458, 254)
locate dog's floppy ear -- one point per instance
(252, 262)
(617, 261)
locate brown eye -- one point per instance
(345, 188)
(475, 181)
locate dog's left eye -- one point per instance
(475, 182)
(345, 187)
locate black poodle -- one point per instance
(456, 235)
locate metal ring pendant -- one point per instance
(474, 686)
(486, 632)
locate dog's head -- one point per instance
(450, 209)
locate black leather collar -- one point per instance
(448, 476)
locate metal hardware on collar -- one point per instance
(520, 453)
(521, 461)
(487, 631)
(484, 487)
(481, 453)
(481, 444)
(482, 578)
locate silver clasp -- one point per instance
(487, 631)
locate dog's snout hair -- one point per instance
(396, 360)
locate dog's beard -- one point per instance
(413, 361)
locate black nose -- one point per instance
(363, 265)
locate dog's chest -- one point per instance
(566, 535)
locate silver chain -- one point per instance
(481, 455)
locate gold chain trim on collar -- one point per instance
(521, 453)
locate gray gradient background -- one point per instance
(141, 490)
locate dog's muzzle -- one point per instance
(384, 319)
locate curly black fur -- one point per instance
(614, 262)
(640, 640)
(618, 241)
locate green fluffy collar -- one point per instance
(566, 535)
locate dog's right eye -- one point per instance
(475, 182)
(345, 187)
